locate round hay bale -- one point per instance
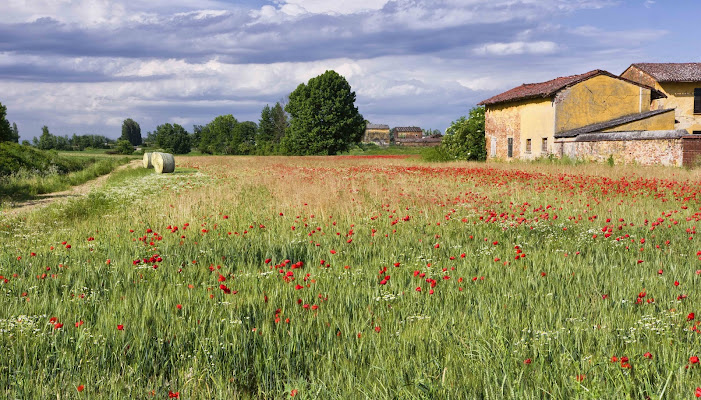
(147, 160)
(163, 163)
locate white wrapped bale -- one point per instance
(147, 160)
(163, 163)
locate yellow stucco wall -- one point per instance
(598, 99)
(680, 95)
(537, 122)
(659, 122)
(376, 135)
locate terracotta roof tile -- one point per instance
(549, 88)
(376, 126)
(672, 72)
(408, 129)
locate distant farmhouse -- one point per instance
(377, 133)
(644, 116)
(400, 136)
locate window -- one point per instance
(697, 101)
(528, 146)
(544, 147)
(510, 147)
(494, 146)
(696, 132)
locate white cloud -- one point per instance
(334, 7)
(513, 48)
(620, 37)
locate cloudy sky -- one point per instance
(83, 66)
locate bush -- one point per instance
(124, 147)
(464, 139)
(15, 157)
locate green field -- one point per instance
(357, 277)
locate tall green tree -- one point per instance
(266, 126)
(173, 138)
(5, 130)
(279, 121)
(324, 118)
(14, 137)
(131, 131)
(216, 137)
(46, 141)
(464, 139)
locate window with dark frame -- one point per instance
(528, 146)
(510, 147)
(544, 147)
(697, 101)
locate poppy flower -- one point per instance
(80, 388)
(693, 360)
(120, 327)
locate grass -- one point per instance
(535, 270)
(27, 184)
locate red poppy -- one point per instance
(120, 327)
(80, 388)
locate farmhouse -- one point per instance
(681, 85)
(414, 136)
(376, 133)
(595, 115)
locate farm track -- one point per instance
(46, 199)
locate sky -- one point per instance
(83, 66)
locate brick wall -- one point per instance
(503, 122)
(643, 152)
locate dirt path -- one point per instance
(44, 200)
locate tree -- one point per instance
(324, 119)
(131, 131)
(216, 137)
(279, 121)
(173, 138)
(5, 130)
(124, 147)
(14, 137)
(464, 138)
(46, 141)
(266, 126)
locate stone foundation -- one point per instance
(639, 147)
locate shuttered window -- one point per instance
(697, 101)
(510, 147)
(528, 146)
(544, 147)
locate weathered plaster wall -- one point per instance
(660, 122)
(376, 136)
(501, 122)
(680, 96)
(598, 99)
(636, 75)
(643, 152)
(537, 119)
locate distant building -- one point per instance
(377, 133)
(413, 136)
(681, 84)
(406, 132)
